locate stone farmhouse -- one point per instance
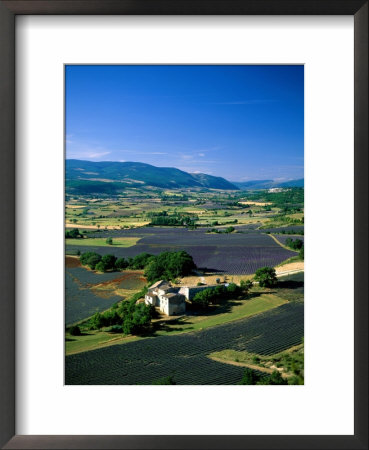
(169, 299)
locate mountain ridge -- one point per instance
(135, 173)
(268, 184)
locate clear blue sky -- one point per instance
(239, 122)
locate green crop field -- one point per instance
(98, 242)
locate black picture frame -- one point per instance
(8, 12)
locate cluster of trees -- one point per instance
(97, 262)
(251, 377)
(213, 295)
(169, 266)
(296, 244)
(173, 221)
(128, 317)
(166, 265)
(215, 230)
(174, 198)
(162, 218)
(73, 234)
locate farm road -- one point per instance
(185, 356)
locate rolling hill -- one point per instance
(267, 184)
(111, 176)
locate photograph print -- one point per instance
(184, 225)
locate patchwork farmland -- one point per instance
(226, 241)
(186, 356)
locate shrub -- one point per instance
(75, 330)
(164, 380)
(100, 267)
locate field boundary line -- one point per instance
(249, 366)
(280, 243)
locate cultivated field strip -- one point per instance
(185, 356)
(235, 253)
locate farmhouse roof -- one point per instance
(159, 284)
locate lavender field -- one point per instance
(186, 356)
(83, 298)
(238, 253)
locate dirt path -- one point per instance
(282, 245)
(290, 268)
(91, 227)
(250, 366)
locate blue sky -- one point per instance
(239, 122)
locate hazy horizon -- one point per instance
(238, 181)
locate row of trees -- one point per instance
(219, 293)
(100, 263)
(166, 265)
(226, 230)
(296, 244)
(162, 218)
(265, 276)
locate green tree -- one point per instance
(266, 277)
(249, 377)
(90, 259)
(169, 265)
(97, 321)
(301, 253)
(73, 234)
(100, 267)
(246, 285)
(121, 264)
(140, 261)
(109, 241)
(109, 261)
